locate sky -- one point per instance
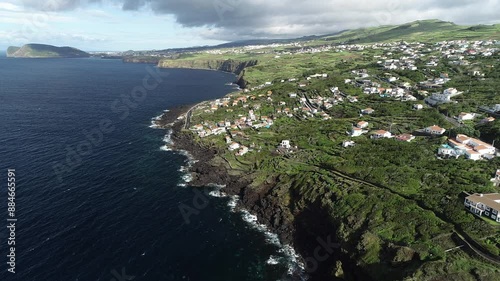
(119, 25)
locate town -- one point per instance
(410, 120)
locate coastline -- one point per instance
(208, 169)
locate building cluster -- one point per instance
(441, 98)
(401, 91)
(470, 148)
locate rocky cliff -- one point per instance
(232, 66)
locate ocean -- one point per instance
(97, 198)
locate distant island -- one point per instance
(45, 51)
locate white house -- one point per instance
(348, 143)
(435, 130)
(285, 144)
(466, 116)
(418, 106)
(451, 92)
(234, 146)
(380, 134)
(448, 151)
(472, 154)
(487, 205)
(475, 144)
(356, 132)
(243, 151)
(362, 125)
(367, 111)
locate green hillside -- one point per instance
(424, 30)
(44, 51)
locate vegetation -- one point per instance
(422, 31)
(395, 205)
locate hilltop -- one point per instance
(422, 30)
(429, 31)
(44, 51)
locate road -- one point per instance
(452, 121)
(189, 114)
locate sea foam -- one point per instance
(290, 256)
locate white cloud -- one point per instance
(5, 6)
(242, 19)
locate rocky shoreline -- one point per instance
(264, 201)
(210, 169)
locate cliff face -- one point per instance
(232, 66)
(135, 59)
(45, 51)
(12, 50)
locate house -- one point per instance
(486, 205)
(234, 146)
(285, 144)
(405, 137)
(487, 120)
(380, 134)
(466, 116)
(434, 130)
(362, 125)
(448, 151)
(418, 106)
(472, 155)
(367, 111)
(243, 151)
(356, 132)
(476, 145)
(348, 144)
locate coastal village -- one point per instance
(257, 109)
(408, 108)
(397, 56)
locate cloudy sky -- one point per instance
(158, 24)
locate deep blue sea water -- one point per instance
(117, 209)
